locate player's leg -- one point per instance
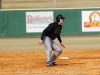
(57, 50)
(47, 43)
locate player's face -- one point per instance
(61, 21)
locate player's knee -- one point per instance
(60, 51)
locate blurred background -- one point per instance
(30, 4)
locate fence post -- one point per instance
(0, 4)
(55, 3)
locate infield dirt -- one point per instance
(81, 62)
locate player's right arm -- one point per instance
(40, 42)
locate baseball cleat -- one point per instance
(54, 63)
(51, 64)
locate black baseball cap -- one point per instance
(60, 17)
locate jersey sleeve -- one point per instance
(46, 31)
(59, 38)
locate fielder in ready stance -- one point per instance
(48, 35)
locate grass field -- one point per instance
(37, 4)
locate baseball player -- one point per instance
(49, 34)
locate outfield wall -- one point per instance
(81, 21)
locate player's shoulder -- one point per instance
(53, 23)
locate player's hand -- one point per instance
(62, 45)
(40, 42)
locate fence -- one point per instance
(13, 22)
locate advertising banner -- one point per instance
(90, 21)
(38, 21)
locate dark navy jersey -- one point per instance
(53, 31)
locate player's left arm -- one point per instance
(59, 38)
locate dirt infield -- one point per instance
(81, 62)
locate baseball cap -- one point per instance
(60, 17)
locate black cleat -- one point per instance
(54, 63)
(51, 64)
